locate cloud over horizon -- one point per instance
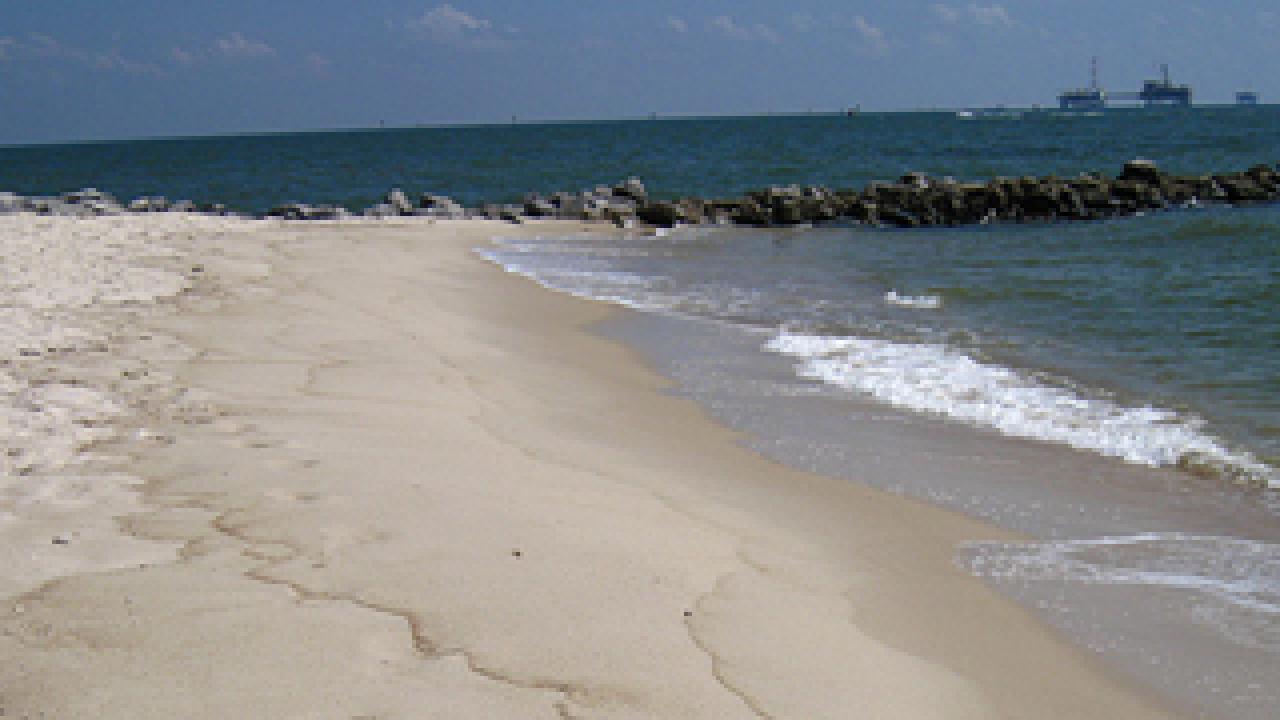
(448, 25)
(236, 45)
(729, 27)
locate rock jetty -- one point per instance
(915, 200)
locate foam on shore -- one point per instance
(939, 380)
(77, 371)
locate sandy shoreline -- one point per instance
(431, 493)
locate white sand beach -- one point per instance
(355, 471)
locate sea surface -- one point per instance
(1109, 389)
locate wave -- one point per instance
(922, 302)
(921, 376)
(936, 379)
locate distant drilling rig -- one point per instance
(1161, 92)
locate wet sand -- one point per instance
(427, 490)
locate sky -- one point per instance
(104, 69)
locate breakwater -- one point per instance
(914, 200)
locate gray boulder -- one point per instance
(631, 188)
(1141, 170)
(153, 203)
(440, 206)
(537, 206)
(916, 180)
(398, 201)
(302, 211)
(13, 203)
(660, 214)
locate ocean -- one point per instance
(1109, 389)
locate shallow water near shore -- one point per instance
(1106, 389)
(1172, 578)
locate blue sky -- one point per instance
(96, 69)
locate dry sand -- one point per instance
(429, 492)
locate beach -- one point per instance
(375, 476)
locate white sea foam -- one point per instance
(922, 302)
(75, 365)
(936, 379)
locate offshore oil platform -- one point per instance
(1153, 93)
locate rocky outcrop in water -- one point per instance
(915, 200)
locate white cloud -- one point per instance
(114, 61)
(49, 48)
(872, 36)
(237, 45)
(448, 21)
(946, 13)
(447, 24)
(730, 27)
(803, 22)
(994, 15)
(317, 63)
(183, 56)
(766, 33)
(676, 24)
(726, 25)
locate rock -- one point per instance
(631, 188)
(537, 206)
(569, 206)
(183, 206)
(87, 196)
(916, 180)
(898, 217)
(153, 203)
(1241, 189)
(89, 201)
(659, 214)
(439, 206)
(1265, 177)
(1141, 170)
(220, 209)
(13, 203)
(626, 221)
(288, 212)
(692, 210)
(398, 201)
(301, 211)
(749, 212)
